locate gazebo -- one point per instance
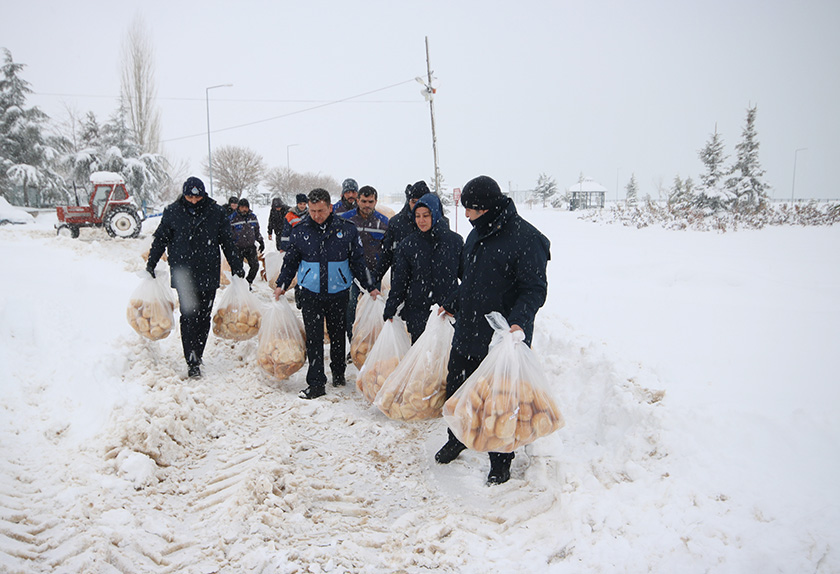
(586, 194)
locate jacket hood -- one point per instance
(432, 202)
(276, 202)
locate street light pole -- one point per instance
(287, 155)
(793, 186)
(209, 152)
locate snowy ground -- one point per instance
(696, 372)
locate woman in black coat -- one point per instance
(425, 268)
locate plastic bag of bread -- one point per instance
(387, 352)
(281, 351)
(237, 315)
(224, 272)
(504, 404)
(151, 305)
(416, 390)
(366, 327)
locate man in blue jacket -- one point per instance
(246, 232)
(503, 268)
(326, 253)
(191, 230)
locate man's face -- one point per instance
(234, 206)
(367, 203)
(423, 218)
(301, 206)
(473, 214)
(243, 210)
(350, 196)
(194, 198)
(412, 203)
(320, 211)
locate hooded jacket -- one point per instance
(191, 235)
(277, 218)
(426, 266)
(325, 257)
(503, 268)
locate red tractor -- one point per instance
(110, 206)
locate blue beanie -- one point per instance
(194, 186)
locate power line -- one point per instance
(235, 100)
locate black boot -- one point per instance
(499, 467)
(312, 392)
(338, 381)
(450, 450)
(194, 372)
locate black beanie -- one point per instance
(418, 190)
(194, 186)
(233, 199)
(301, 198)
(244, 203)
(408, 191)
(481, 193)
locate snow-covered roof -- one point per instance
(587, 184)
(106, 177)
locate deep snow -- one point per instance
(695, 372)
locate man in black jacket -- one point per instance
(246, 232)
(191, 230)
(325, 252)
(400, 226)
(503, 268)
(277, 219)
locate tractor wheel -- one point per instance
(122, 222)
(67, 231)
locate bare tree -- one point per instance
(138, 88)
(237, 170)
(286, 183)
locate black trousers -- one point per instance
(249, 254)
(315, 308)
(196, 309)
(460, 369)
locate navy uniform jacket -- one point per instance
(325, 257)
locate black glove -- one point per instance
(151, 271)
(240, 273)
(262, 245)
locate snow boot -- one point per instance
(338, 381)
(312, 392)
(194, 372)
(450, 450)
(499, 467)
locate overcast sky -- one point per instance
(563, 88)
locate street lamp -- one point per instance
(793, 187)
(287, 155)
(210, 153)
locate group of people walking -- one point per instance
(335, 250)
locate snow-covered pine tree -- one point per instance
(745, 180)
(632, 190)
(712, 195)
(24, 152)
(546, 187)
(680, 196)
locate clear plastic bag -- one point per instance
(504, 404)
(281, 351)
(237, 315)
(416, 390)
(273, 264)
(151, 305)
(387, 352)
(366, 327)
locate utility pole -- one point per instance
(430, 91)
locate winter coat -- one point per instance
(325, 257)
(399, 227)
(191, 235)
(293, 217)
(246, 229)
(503, 268)
(425, 269)
(342, 206)
(277, 217)
(371, 231)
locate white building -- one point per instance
(586, 194)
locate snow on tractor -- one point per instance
(110, 206)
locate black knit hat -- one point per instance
(349, 184)
(233, 199)
(418, 190)
(244, 203)
(194, 186)
(301, 198)
(407, 190)
(481, 193)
